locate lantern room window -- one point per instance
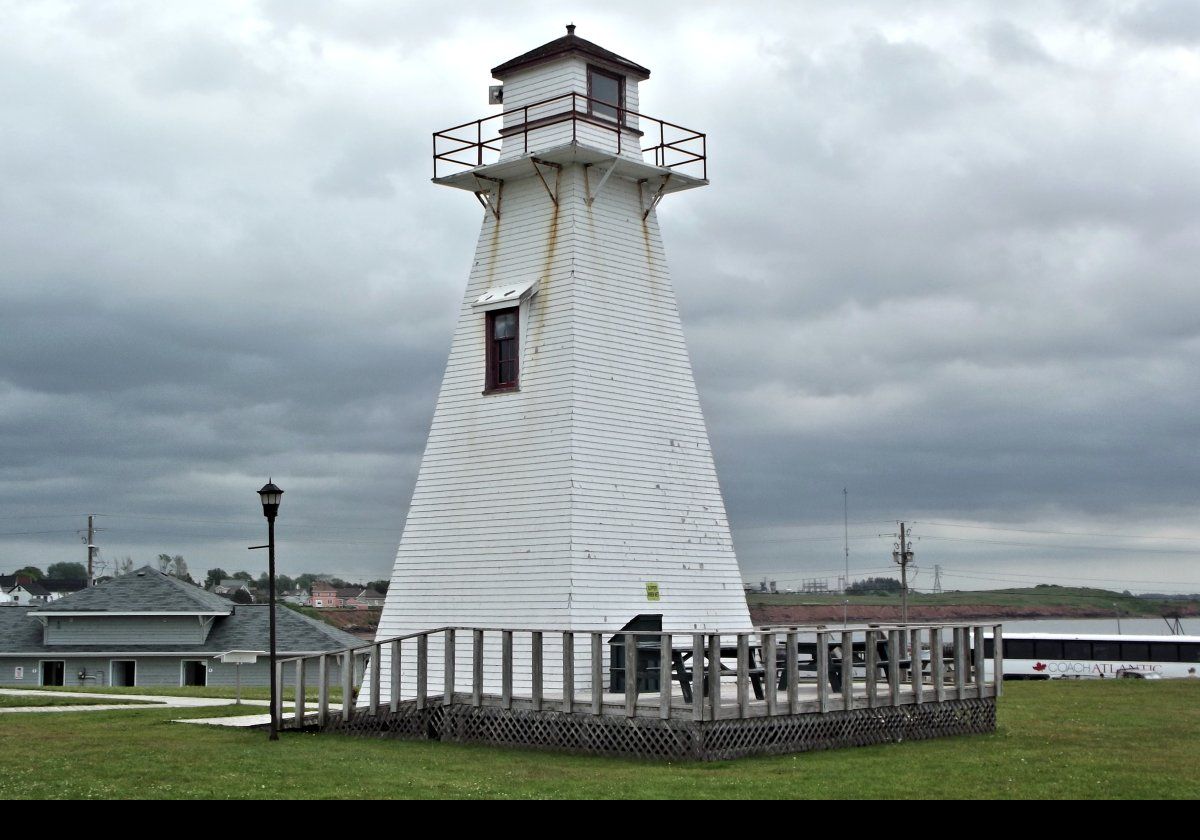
(503, 350)
(606, 95)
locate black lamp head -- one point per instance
(270, 495)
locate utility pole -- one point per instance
(91, 548)
(846, 546)
(937, 580)
(903, 555)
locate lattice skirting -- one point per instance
(653, 738)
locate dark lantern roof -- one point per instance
(559, 47)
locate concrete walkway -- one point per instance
(245, 721)
(146, 701)
(151, 701)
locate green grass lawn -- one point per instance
(1100, 601)
(1111, 739)
(8, 701)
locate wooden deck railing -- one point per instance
(888, 665)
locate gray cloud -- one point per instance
(947, 260)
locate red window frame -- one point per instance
(494, 382)
(593, 70)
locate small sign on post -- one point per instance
(238, 658)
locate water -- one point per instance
(1138, 626)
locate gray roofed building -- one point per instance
(146, 590)
(147, 628)
(245, 628)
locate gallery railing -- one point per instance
(478, 142)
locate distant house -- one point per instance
(61, 587)
(149, 629)
(326, 596)
(22, 589)
(227, 588)
(19, 589)
(368, 599)
(321, 593)
(7, 583)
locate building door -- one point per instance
(53, 672)
(122, 672)
(195, 672)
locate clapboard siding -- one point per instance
(126, 630)
(152, 671)
(554, 506)
(532, 85)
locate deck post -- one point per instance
(895, 653)
(822, 654)
(793, 673)
(568, 672)
(979, 672)
(322, 690)
(506, 667)
(375, 675)
(743, 675)
(449, 657)
(422, 670)
(347, 666)
(631, 662)
(394, 672)
(298, 712)
(665, 653)
(714, 675)
(279, 693)
(917, 668)
(536, 669)
(848, 670)
(937, 664)
(477, 668)
(871, 663)
(998, 660)
(960, 662)
(597, 673)
(770, 689)
(697, 676)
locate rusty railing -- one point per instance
(476, 143)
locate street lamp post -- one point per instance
(270, 495)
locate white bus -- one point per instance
(1050, 656)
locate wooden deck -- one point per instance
(948, 692)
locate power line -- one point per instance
(758, 541)
(1062, 533)
(309, 524)
(36, 533)
(1125, 549)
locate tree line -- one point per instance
(285, 583)
(176, 566)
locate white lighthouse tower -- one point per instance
(567, 482)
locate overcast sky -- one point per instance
(948, 260)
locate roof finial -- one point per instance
(570, 29)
